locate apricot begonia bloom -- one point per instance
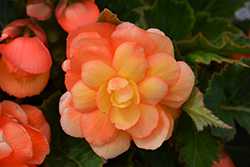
(77, 14)
(118, 79)
(24, 135)
(26, 61)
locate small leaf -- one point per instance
(196, 149)
(206, 58)
(228, 97)
(226, 44)
(66, 150)
(174, 18)
(107, 16)
(201, 116)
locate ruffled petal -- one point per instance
(95, 73)
(84, 98)
(4, 119)
(182, 89)
(70, 122)
(65, 102)
(133, 69)
(78, 14)
(35, 58)
(66, 65)
(124, 118)
(124, 52)
(164, 66)
(158, 135)
(146, 123)
(103, 99)
(4, 146)
(152, 89)
(37, 120)
(40, 145)
(14, 111)
(19, 88)
(97, 128)
(132, 34)
(105, 29)
(87, 53)
(14, 165)
(19, 141)
(115, 148)
(163, 43)
(173, 104)
(71, 78)
(72, 46)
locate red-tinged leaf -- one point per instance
(107, 16)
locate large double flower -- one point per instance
(123, 83)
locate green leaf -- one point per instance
(107, 16)
(211, 28)
(226, 44)
(163, 156)
(66, 150)
(206, 58)
(201, 116)
(125, 10)
(196, 149)
(219, 8)
(228, 97)
(174, 18)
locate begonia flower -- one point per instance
(26, 61)
(24, 135)
(225, 160)
(77, 14)
(39, 9)
(123, 84)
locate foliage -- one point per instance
(205, 35)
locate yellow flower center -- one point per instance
(122, 92)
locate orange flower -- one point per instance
(79, 13)
(25, 61)
(39, 9)
(24, 135)
(118, 79)
(225, 160)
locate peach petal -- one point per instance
(71, 78)
(173, 104)
(84, 98)
(124, 94)
(103, 99)
(72, 46)
(124, 118)
(156, 31)
(115, 148)
(70, 122)
(164, 66)
(41, 11)
(66, 65)
(132, 34)
(4, 119)
(19, 141)
(19, 88)
(97, 128)
(136, 98)
(90, 53)
(158, 135)
(40, 145)
(146, 123)
(163, 43)
(116, 83)
(105, 29)
(78, 14)
(182, 89)
(124, 52)
(152, 89)
(95, 73)
(15, 165)
(14, 111)
(34, 59)
(65, 102)
(37, 120)
(4, 146)
(133, 69)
